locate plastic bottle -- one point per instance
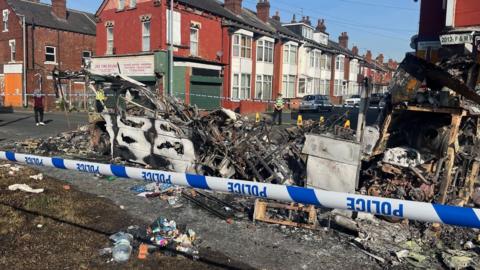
(121, 251)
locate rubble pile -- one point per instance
(232, 147)
(73, 143)
(428, 136)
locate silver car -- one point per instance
(317, 103)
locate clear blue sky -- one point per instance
(383, 26)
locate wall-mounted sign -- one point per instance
(142, 65)
(454, 39)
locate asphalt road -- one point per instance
(21, 125)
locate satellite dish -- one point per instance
(220, 53)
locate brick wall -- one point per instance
(69, 49)
(14, 32)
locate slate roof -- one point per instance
(335, 46)
(41, 14)
(282, 29)
(246, 18)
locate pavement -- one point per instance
(20, 125)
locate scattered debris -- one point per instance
(25, 188)
(164, 233)
(213, 205)
(38, 177)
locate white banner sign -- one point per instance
(143, 65)
(456, 39)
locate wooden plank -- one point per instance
(471, 179)
(447, 179)
(455, 111)
(384, 136)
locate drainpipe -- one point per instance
(24, 84)
(170, 51)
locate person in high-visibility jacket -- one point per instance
(100, 100)
(278, 108)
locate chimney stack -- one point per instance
(307, 21)
(343, 40)
(321, 26)
(234, 6)
(59, 8)
(380, 58)
(263, 10)
(276, 17)
(355, 50)
(294, 19)
(368, 56)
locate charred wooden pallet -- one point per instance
(262, 209)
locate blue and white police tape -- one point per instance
(426, 212)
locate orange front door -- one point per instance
(13, 90)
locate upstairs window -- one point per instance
(265, 51)
(110, 40)
(340, 63)
(242, 46)
(13, 49)
(121, 4)
(50, 54)
(5, 14)
(290, 54)
(194, 41)
(133, 3)
(315, 59)
(146, 36)
(325, 62)
(307, 32)
(177, 33)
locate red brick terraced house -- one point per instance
(36, 38)
(224, 55)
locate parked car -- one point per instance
(316, 103)
(376, 98)
(353, 101)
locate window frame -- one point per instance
(12, 44)
(302, 86)
(289, 85)
(263, 87)
(196, 42)
(290, 50)
(340, 63)
(110, 40)
(133, 4)
(245, 85)
(236, 45)
(54, 54)
(242, 46)
(120, 4)
(146, 46)
(265, 51)
(240, 89)
(5, 20)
